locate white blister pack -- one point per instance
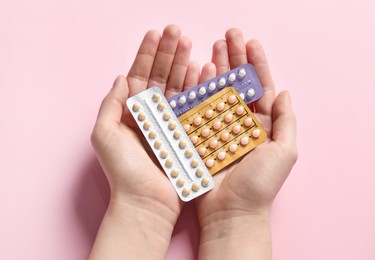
(170, 144)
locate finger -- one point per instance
(164, 57)
(236, 48)
(208, 72)
(257, 57)
(192, 75)
(140, 71)
(220, 56)
(112, 106)
(284, 122)
(179, 68)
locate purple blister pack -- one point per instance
(243, 79)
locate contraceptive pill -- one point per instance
(170, 144)
(230, 133)
(243, 78)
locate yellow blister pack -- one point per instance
(222, 129)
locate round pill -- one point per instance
(233, 148)
(205, 132)
(197, 121)
(247, 122)
(141, 116)
(152, 135)
(242, 95)
(161, 106)
(228, 118)
(205, 182)
(202, 151)
(256, 133)
(224, 137)
(231, 99)
(192, 95)
(155, 97)
(195, 187)
(177, 134)
(182, 100)
(242, 73)
(186, 127)
(158, 144)
(146, 125)
(220, 106)
(210, 163)
(232, 77)
(194, 163)
(182, 144)
(169, 163)
(222, 82)
(136, 107)
(164, 154)
(221, 155)
(250, 93)
(236, 129)
(174, 173)
(172, 104)
(209, 113)
(240, 110)
(166, 116)
(186, 192)
(213, 144)
(216, 125)
(194, 139)
(180, 182)
(212, 86)
(202, 91)
(188, 153)
(199, 172)
(172, 125)
(244, 140)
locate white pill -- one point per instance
(205, 182)
(202, 91)
(216, 125)
(233, 148)
(222, 82)
(242, 73)
(192, 95)
(210, 163)
(224, 137)
(205, 132)
(228, 118)
(242, 95)
(250, 93)
(256, 133)
(248, 121)
(209, 113)
(182, 100)
(172, 104)
(236, 129)
(213, 144)
(220, 106)
(212, 86)
(244, 140)
(194, 139)
(231, 99)
(202, 151)
(232, 77)
(240, 110)
(197, 121)
(221, 155)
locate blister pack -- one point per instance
(170, 144)
(222, 129)
(243, 79)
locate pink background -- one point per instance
(59, 58)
